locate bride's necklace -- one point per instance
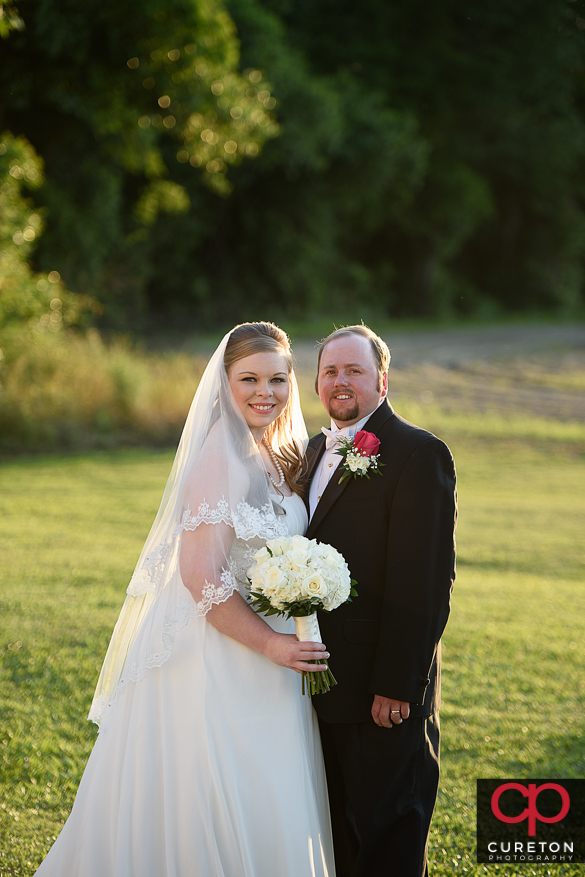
(276, 464)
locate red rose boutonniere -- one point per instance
(360, 455)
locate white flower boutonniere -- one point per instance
(360, 455)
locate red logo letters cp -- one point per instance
(531, 813)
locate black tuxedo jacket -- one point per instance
(396, 532)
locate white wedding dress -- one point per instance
(210, 766)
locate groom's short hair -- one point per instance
(379, 348)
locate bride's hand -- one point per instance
(285, 650)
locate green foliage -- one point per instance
(57, 388)
(496, 92)
(412, 160)
(129, 106)
(346, 160)
(9, 18)
(427, 164)
(160, 196)
(34, 308)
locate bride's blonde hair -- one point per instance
(246, 340)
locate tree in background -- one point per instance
(413, 159)
(293, 237)
(125, 103)
(60, 386)
(494, 93)
(34, 308)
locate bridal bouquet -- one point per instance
(294, 576)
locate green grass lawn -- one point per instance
(513, 682)
(71, 530)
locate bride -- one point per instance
(208, 762)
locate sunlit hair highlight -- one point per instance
(379, 349)
(246, 340)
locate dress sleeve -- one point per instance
(197, 550)
(195, 555)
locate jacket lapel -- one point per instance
(334, 489)
(314, 452)
(379, 417)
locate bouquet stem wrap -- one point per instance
(319, 682)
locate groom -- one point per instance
(380, 724)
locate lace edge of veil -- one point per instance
(248, 523)
(103, 704)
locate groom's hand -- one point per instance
(387, 712)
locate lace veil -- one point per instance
(219, 487)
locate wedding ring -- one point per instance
(395, 711)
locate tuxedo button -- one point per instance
(330, 465)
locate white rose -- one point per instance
(314, 585)
(256, 580)
(274, 579)
(262, 556)
(352, 461)
(300, 543)
(279, 546)
(357, 463)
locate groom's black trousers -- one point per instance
(382, 790)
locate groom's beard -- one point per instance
(340, 413)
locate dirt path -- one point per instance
(538, 369)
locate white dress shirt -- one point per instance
(330, 461)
